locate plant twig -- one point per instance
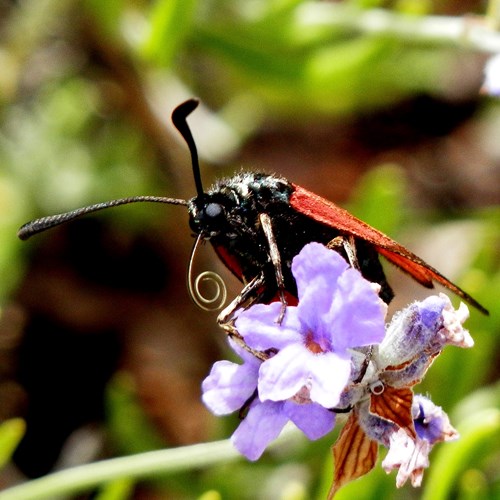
(466, 32)
(132, 467)
(85, 477)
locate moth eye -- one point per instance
(213, 210)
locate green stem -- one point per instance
(466, 32)
(84, 477)
(142, 465)
(493, 14)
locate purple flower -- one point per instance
(431, 422)
(416, 335)
(338, 310)
(265, 420)
(383, 402)
(231, 387)
(330, 352)
(309, 354)
(407, 455)
(411, 456)
(408, 452)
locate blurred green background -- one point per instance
(101, 351)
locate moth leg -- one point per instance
(246, 297)
(349, 245)
(243, 412)
(274, 253)
(367, 263)
(365, 364)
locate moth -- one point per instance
(258, 222)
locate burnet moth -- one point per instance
(257, 223)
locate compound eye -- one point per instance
(213, 210)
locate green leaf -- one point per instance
(120, 489)
(107, 13)
(130, 428)
(170, 22)
(379, 198)
(243, 48)
(11, 433)
(479, 437)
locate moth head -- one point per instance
(208, 216)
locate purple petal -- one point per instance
(406, 337)
(424, 327)
(431, 422)
(453, 332)
(229, 386)
(312, 419)
(357, 317)
(313, 310)
(260, 330)
(262, 425)
(408, 456)
(329, 374)
(315, 261)
(430, 311)
(283, 375)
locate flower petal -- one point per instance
(229, 386)
(315, 261)
(357, 317)
(262, 425)
(453, 333)
(328, 375)
(325, 375)
(283, 375)
(313, 310)
(431, 422)
(424, 327)
(260, 330)
(408, 456)
(312, 419)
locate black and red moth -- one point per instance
(258, 222)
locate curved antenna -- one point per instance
(39, 225)
(179, 119)
(206, 303)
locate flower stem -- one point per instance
(133, 467)
(465, 32)
(84, 477)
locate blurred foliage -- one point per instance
(85, 93)
(11, 432)
(130, 430)
(120, 489)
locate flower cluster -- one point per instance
(333, 353)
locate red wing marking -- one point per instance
(229, 261)
(332, 215)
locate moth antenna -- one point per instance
(179, 119)
(206, 303)
(39, 225)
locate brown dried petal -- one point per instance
(354, 455)
(394, 404)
